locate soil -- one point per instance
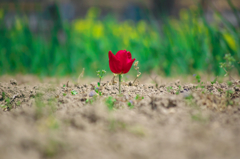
(43, 119)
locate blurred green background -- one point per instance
(61, 38)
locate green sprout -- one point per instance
(110, 102)
(198, 78)
(169, 88)
(100, 74)
(74, 92)
(64, 94)
(89, 101)
(97, 91)
(229, 93)
(3, 95)
(178, 91)
(214, 81)
(130, 105)
(138, 97)
(200, 85)
(228, 65)
(18, 103)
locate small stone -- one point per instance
(92, 93)
(131, 101)
(13, 82)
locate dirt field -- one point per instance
(52, 118)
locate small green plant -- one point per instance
(228, 65)
(3, 107)
(74, 92)
(64, 94)
(169, 89)
(97, 91)
(228, 96)
(91, 100)
(198, 78)
(87, 101)
(229, 83)
(3, 95)
(214, 81)
(200, 83)
(178, 91)
(110, 102)
(130, 105)
(18, 103)
(64, 85)
(8, 103)
(137, 97)
(100, 74)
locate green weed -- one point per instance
(110, 102)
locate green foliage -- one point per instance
(198, 78)
(74, 92)
(130, 105)
(110, 102)
(137, 97)
(64, 94)
(3, 95)
(228, 96)
(177, 47)
(98, 92)
(178, 91)
(228, 64)
(169, 88)
(214, 81)
(229, 83)
(18, 103)
(100, 74)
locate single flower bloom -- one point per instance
(121, 62)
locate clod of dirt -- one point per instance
(13, 82)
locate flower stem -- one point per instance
(120, 83)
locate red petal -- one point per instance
(114, 64)
(120, 54)
(128, 66)
(129, 55)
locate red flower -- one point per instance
(121, 62)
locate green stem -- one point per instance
(120, 83)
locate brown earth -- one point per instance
(44, 119)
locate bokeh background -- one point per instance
(170, 37)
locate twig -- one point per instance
(81, 75)
(229, 75)
(67, 83)
(13, 98)
(134, 80)
(113, 79)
